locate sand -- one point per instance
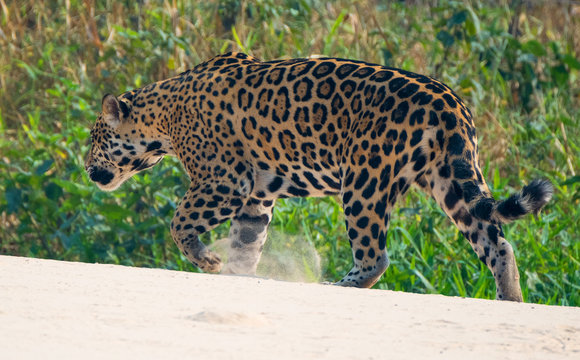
(54, 309)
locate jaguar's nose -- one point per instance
(100, 176)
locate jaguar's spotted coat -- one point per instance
(249, 132)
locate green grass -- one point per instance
(517, 69)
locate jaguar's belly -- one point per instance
(301, 183)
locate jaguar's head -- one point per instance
(120, 149)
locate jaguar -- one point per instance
(249, 132)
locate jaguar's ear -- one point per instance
(111, 110)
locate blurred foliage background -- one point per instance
(515, 62)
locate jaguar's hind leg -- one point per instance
(367, 200)
(248, 233)
(367, 232)
(463, 195)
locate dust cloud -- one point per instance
(288, 258)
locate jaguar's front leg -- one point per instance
(203, 208)
(247, 235)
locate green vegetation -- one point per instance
(516, 63)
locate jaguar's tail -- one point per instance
(530, 200)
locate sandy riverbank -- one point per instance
(54, 309)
